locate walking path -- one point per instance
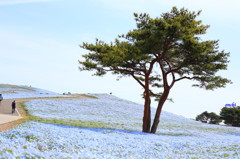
(6, 112)
(7, 119)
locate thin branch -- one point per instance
(156, 55)
(138, 80)
(166, 46)
(140, 74)
(164, 75)
(129, 70)
(106, 70)
(170, 67)
(154, 94)
(173, 70)
(134, 68)
(151, 66)
(173, 75)
(121, 70)
(173, 81)
(185, 77)
(163, 70)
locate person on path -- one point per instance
(13, 106)
(1, 98)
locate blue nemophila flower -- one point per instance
(177, 136)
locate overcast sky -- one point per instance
(39, 46)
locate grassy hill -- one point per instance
(110, 127)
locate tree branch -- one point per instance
(154, 94)
(134, 68)
(138, 80)
(166, 46)
(151, 66)
(121, 70)
(185, 77)
(164, 75)
(172, 72)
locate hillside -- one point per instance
(110, 127)
(14, 91)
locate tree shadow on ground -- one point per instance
(104, 131)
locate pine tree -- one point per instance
(159, 53)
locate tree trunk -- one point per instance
(159, 110)
(147, 110)
(147, 116)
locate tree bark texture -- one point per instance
(147, 109)
(159, 110)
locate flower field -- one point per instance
(109, 127)
(14, 91)
(39, 140)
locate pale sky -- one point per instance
(39, 46)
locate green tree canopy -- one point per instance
(211, 118)
(231, 115)
(203, 117)
(160, 52)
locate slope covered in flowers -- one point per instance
(39, 140)
(114, 113)
(14, 91)
(113, 131)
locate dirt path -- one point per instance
(9, 120)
